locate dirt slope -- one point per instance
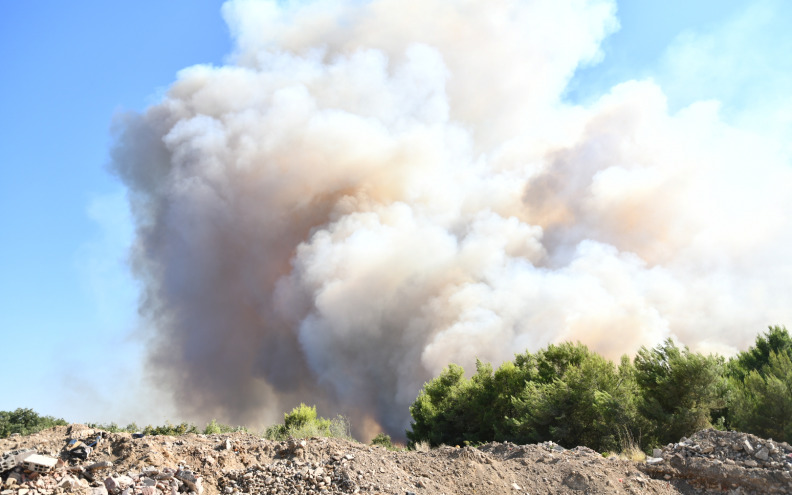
(244, 463)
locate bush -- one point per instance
(170, 429)
(26, 422)
(213, 427)
(383, 440)
(302, 422)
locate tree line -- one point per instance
(573, 396)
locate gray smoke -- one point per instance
(372, 190)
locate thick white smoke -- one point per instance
(372, 190)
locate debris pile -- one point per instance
(26, 472)
(51, 463)
(726, 460)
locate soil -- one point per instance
(239, 463)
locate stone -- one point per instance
(98, 490)
(189, 479)
(115, 484)
(750, 463)
(67, 483)
(657, 453)
(763, 454)
(100, 465)
(515, 486)
(746, 445)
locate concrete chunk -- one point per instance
(40, 463)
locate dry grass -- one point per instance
(421, 446)
(630, 448)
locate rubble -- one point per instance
(725, 460)
(241, 464)
(39, 463)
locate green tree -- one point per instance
(775, 340)
(25, 422)
(762, 402)
(576, 397)
(678, 390)
(438, 411)
(564, 393)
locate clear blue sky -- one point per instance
(67, 301)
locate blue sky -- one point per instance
(67, 300)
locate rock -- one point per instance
(189, 479)
(763, 454)
(751, 463)
(115, 484)
(100, 465)
(657, 453)
(576, 481)
(515, 486)
(746, 445)
(67, 483)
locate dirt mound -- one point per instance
(240, 463)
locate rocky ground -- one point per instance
(709, 462)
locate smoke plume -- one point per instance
(371, 190)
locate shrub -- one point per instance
(302, 422)
(25, 422)
(383, 440)
(213, 427)
(182, 428)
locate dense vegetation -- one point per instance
(168, 428)
(573, 396)
(25, 422)
(565, 393)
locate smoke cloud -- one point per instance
(371, 190)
